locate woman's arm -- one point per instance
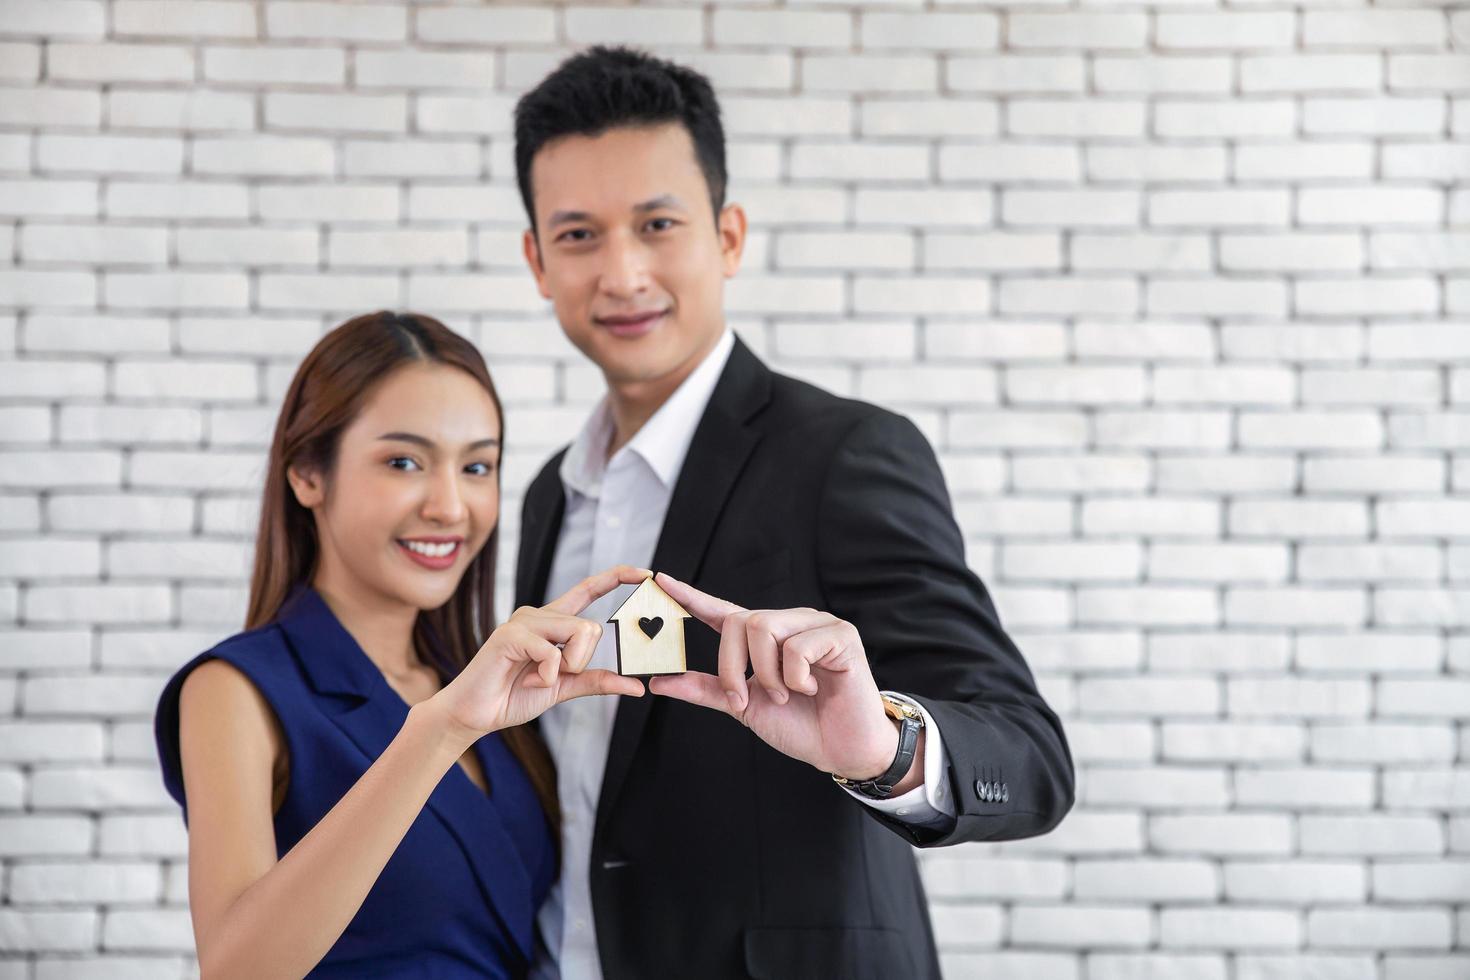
(257, 917)
(254, 916)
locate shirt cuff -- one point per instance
(928, 805)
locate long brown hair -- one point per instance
(326, 394)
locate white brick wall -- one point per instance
(1180, 295)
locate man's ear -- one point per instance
(307, 485)
(732, 237)
(532, 251)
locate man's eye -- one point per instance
(574, 235)
(662, 224)
(403, 459)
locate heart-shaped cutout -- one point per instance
(650, 627)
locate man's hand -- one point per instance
(813, 696)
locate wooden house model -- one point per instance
(650, 632)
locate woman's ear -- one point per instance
(306, 485)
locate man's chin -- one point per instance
(637, 373)
(632, 361)
(642, 360)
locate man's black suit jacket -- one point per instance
(716, 856)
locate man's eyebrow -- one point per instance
(429, 443)
(562, 217)
(652, 204)
(662, 201)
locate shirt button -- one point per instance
(903, 811)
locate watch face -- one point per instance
(900, 708)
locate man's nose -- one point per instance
(625, 267)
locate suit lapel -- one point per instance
(370, 713)
(546, 501)
(722, 443)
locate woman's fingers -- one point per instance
(594, 587)
(577, 636)
(598, 681)
(515, 643)
(577, 652)
(547, 658)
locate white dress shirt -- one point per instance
(615, 511)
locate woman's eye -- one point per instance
(410, 464)
(481, 469)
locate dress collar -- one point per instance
(330, 657)
(335, 664)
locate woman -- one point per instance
(360, 798)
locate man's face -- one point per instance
(627, 249)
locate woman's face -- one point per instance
(414, 493)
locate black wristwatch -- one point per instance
(910, 723)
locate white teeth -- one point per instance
(431, 550)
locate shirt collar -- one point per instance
(664, 439)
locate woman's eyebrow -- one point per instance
(430, 444)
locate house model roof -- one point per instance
(648, 600)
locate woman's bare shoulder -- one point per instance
(226, 722)
(217, 689)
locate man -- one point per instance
(703, 833)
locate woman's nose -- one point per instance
(445, 503)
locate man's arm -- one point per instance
(891, 561)
(929, 804)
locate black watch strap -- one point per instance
(880, 787)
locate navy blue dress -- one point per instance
(458, 898)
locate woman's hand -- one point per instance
(536, 659)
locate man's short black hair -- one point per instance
(603, 88)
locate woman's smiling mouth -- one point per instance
(435, 553)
